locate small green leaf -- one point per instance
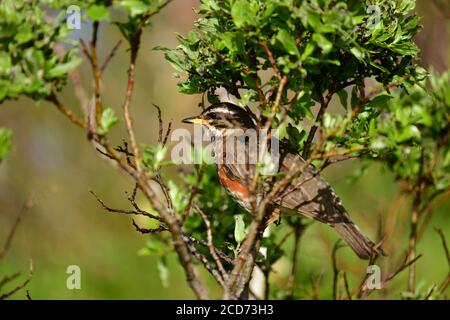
(163, 272)
(314, 20)
(239, 228)
(343, 97)
(408, 133)
(357, 53)
(244, 13)
(5, 62)
(153, 157)
(323, 43)
(98, 12)
(5, 142)
(135, 7)
(379, 101)
(288, 42)
(63, 68)
(109, 119)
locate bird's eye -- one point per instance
(212, 115)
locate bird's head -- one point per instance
(222, 117)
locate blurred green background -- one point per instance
(52, 160)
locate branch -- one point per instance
(336, 247)
(416, 214)
(272, 60)
(110, 56)
(66, 111)
(200, 257)
(444, 245)
(7, 279)
(131, 212)
(299, 228)
(20, 286)
(211, 247)
(26, 206)
(324, 102)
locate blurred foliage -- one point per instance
(5, 142)
(28, 65)
(413, 134)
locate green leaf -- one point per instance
(135, 7)
(379, 101)
(5, 142)
(109, 119)
(98, 12)
(63, 68)
(24, 34)
(314, 20)
(357, 53)
(153, 158)
(163, 271)
(408, 133)
(288, 42)
(343, 98)
(405, 48)
(322, 42)
(5, 62)
(239, 228)
(244, 13)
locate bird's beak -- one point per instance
(195, 120)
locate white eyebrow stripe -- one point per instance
(221, 110)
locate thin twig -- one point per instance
(212, 248)
(110, 56)
(66, 111)
(7, 279)
(444, 245)
(20, 286)
(131, 212)
(336, 247)
(25, 207)
(324, 102)
(298, 232)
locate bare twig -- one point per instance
(271, 60)
(324, 102)
(66, 111)
(444, 245)
(212, 248)
(131, 212)
(417, 199)
(346, 286)
(25, 207)
(7, 279)
(144, 230)
(200, 257)
(336, 247)
(298, 232)
(20, 286)
(110, 56)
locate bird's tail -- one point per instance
(362, 245)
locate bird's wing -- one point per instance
(309, 193)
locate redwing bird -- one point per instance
(312, 197)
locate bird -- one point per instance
(310, 195)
